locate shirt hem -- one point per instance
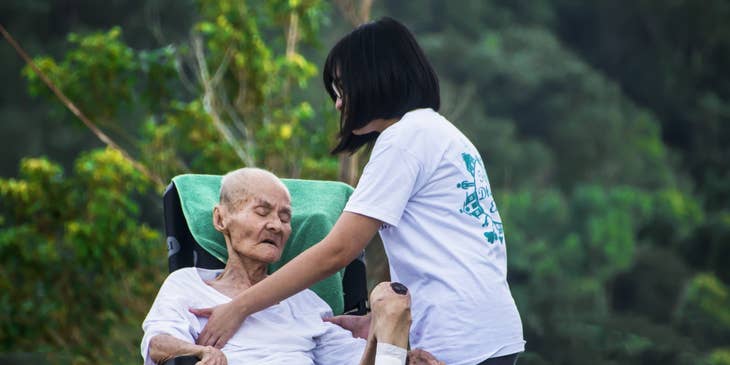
(510, 349)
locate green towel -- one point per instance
(316, 206)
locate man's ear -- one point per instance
(219, 221)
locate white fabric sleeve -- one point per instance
(387, 354)
(337, 346)
(387, 183)
(168, 315)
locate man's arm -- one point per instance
(389, 325)
(164, 347)
(387, 337)
(169, 328)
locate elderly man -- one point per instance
(254, 217)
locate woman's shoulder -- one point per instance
(419, 130)
(426, 123)
(425, 115)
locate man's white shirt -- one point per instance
(291, 332)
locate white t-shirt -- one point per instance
(443, 236)
(291, 332)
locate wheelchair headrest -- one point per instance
(316, 206)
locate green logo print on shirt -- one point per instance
(477, 190)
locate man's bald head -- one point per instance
(237, 186)
(254, 216)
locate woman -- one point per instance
(425, 189)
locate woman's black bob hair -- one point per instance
(381, 72)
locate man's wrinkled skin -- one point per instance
(391, 305)
(391, 315)
(358, 325)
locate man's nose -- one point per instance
(274, 224)
(338, 104)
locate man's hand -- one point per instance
(211, 356)
(421, 357)
(223, 321)
(358, 325)
(391, 311)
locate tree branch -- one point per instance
(209, 100)
(72, 107)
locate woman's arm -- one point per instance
(164, 347)
(351, 233)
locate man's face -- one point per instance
(260, 226)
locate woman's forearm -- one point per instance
(164, 347)
(348, 238)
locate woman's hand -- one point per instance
(211, 356)
(358, 325)
(223, 322)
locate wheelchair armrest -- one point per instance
(354, 286)
(181, 360)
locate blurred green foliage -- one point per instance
(590, 280)
(239, 110)
(603, 127)
(76, 259)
